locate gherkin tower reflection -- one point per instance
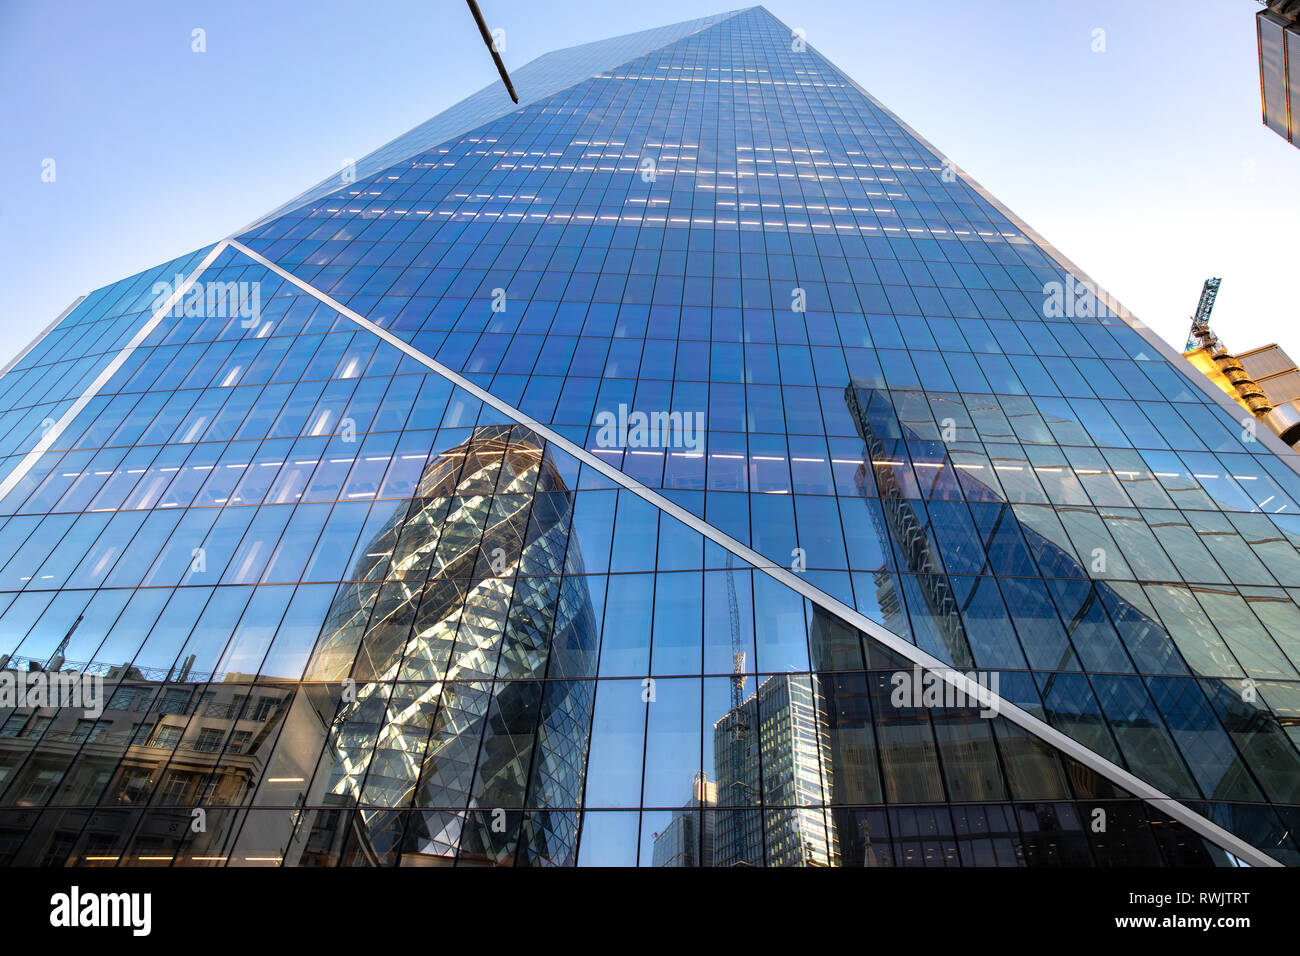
(465, 644)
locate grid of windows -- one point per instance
(359, 616)
(42, 384)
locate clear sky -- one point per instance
(1146, 164)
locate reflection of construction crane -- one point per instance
(1201, 335)
(55, 663)
(1224, 362)
(737, 651)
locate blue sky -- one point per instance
(1147, 164)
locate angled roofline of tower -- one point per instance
(492, 92)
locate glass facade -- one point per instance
(594, 482)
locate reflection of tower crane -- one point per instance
(56, 661)
(737, 650)
(1201, 335)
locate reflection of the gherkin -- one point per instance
(464, 649)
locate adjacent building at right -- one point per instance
(1279, 65)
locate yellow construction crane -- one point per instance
(1206, 352)
(1277, 408)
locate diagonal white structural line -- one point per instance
(55, 430)
(1138, 787)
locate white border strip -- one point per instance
(48, 439)
(1138, 787)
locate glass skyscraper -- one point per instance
(687, 466)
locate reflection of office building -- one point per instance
(688, 838)
(943, 555)
(773, 752)
(885, 474)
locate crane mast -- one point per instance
(1228, 365)
(1201, 336)
(737, 648)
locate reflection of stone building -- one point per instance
(688, 838)
(469, 637)
(159, 749)
(773, 751)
